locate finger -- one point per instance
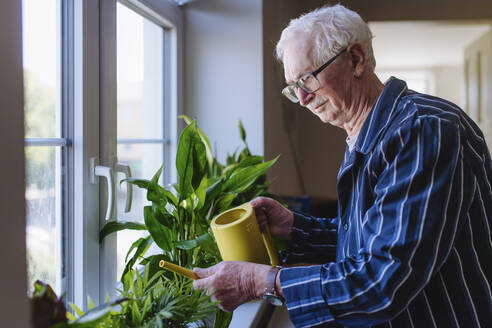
(204, 284)
(265, 203)
(260, 215)
(204, 272)
(261, 218)
(260, 202)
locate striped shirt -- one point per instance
(411, 246)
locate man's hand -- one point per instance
(232, 282)
(279, 219)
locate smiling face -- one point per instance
(331, 102)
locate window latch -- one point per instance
(97, 170)
(108, 172)
(125, 169)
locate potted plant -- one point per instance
(178, 219)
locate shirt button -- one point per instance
(345, 226)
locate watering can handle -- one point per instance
(272, 253)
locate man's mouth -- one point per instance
(317, 108)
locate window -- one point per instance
(73, 64)
(140, 110)
(45, 142)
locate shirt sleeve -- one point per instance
(407, 234)
(313, 240)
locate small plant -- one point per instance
(49, 311)
(46, 308)
(163, 302)
(153, 302)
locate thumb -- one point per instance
(204, 272)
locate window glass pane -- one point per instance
(40, 60)
(144, 160)
(43, 205)
(139, 75)
(41, 63)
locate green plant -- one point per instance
(163, 302)
(150, 302)
(49, 311)
(178, 219)
(46, 308)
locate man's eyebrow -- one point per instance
(296, 78)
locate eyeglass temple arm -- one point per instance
(316, 72)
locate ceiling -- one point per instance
(423, 44)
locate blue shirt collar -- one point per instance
(380, 115)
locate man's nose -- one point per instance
(304, 97)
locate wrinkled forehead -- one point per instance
(297, 58)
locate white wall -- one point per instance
(450, 84)
(13, 303)
(224, 71)
(446, 82)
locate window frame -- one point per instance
(91, 266)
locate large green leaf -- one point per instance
(142, 245)
(115, 226)
(158, 194)
(203, 240)
(242, 178)
(162, 214)
(136, 244)
(201, 193)
(160, 233)
(250, 160)
(199, 163)
(215, 189)
(153, 188)
(229, 169)
(157, 175)
(142, 183)
(184, 161)
(212, 192)
(170, 196)
(224, 202)
(190, 160)
(208, 149)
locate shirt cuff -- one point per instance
(296, 249)
(303, 295)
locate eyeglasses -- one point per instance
(308, 82)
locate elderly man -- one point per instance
(411, 246)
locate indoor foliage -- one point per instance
(178, 221)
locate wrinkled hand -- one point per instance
(279, 219)
(232, 282)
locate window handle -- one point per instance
(106, 172)
(125, 169)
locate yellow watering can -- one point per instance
(239, 238)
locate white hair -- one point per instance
(332, 28)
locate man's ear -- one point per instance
(358, 59)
